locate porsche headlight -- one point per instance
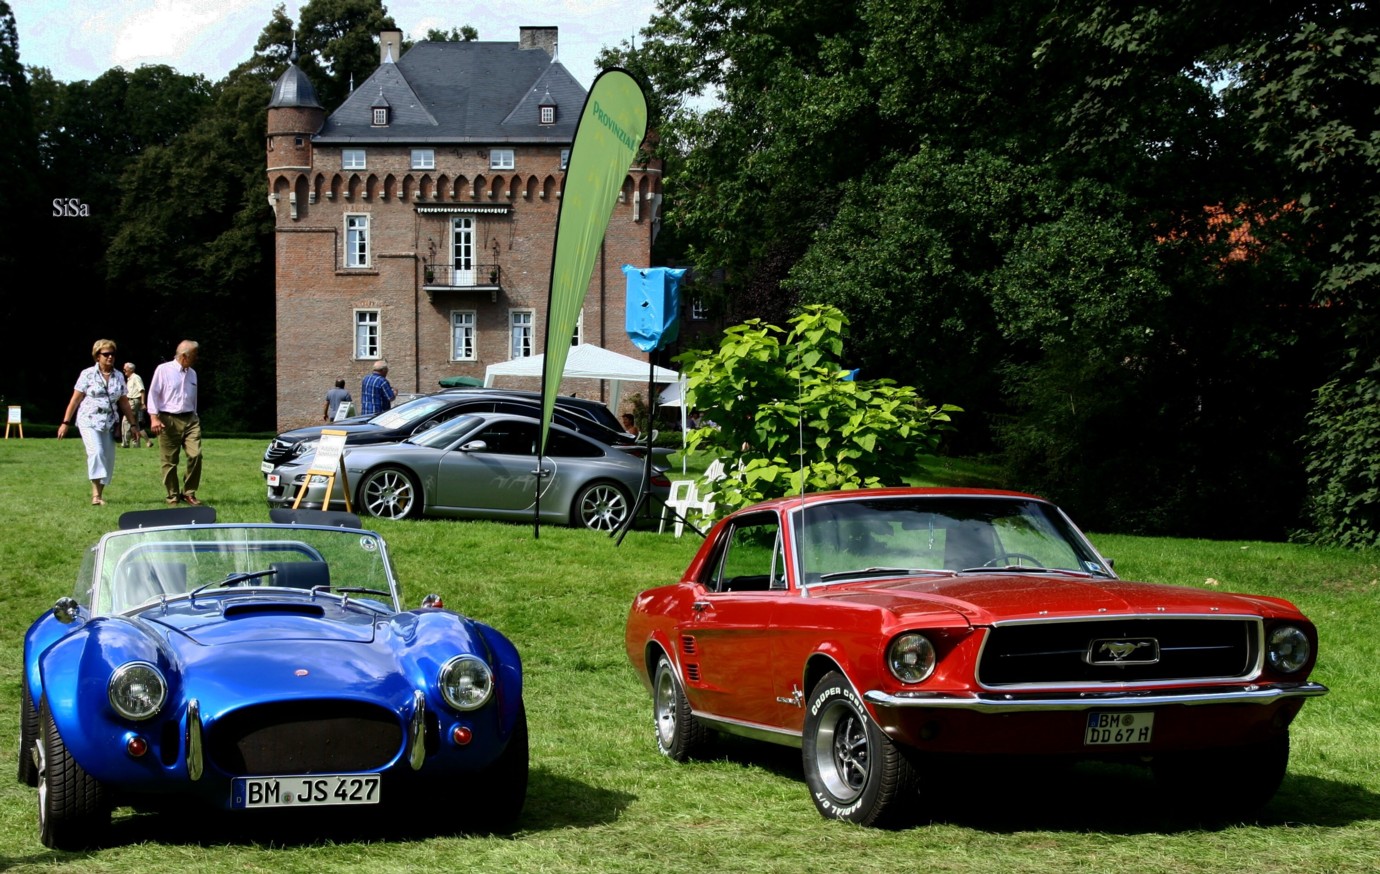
(1288, 649)
(466, 682)
(911, 658)
(137, 690)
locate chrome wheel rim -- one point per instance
(42, 755)
(665, 710)
(388, 494)
(842, 758)
(603, 508)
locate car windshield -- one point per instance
(129, 569)
(445, 433)
(945, 534)
(408, 414)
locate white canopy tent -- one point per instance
(587, 361)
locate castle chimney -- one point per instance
(538, 38)
(390, 45)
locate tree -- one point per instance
(783, 407)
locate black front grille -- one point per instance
(304, 737)
(280, 451)
(1153, 650)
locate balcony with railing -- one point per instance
(472, 277)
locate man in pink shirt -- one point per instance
(171, 402)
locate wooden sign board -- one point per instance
(343, 410)
(329, 461)
(15, 418)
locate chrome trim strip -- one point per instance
(751, 730)
(416, 728)
(195, 762)
(1096, 700)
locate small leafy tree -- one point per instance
(779, 407)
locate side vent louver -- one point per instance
(687, 644)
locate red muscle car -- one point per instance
(884, 631)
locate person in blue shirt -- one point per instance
(376, 392)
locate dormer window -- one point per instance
(548, 115)
(380, 116)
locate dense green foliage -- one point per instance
(602, 799)
(1129, 238)
(779, 411)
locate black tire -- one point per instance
(28, 734)
(1223, 785)
(602, 506)
(679, 735)
(73, 807)
(390, 493)
(854, 771)
(506, 780)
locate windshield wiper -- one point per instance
(882, 572)
(232, 580)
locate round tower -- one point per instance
(294, 116)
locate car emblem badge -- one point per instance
(1123, 651)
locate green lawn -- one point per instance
(602, 799)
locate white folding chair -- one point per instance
(684, 495)
(715, 471)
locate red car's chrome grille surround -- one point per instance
(304, 737)
(1059, 653)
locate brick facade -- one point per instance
(408, 274)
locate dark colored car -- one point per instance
(892, 634)
(588, 417)
(261, 666)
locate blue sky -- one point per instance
(80, 39)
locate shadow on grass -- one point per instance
(553, 802)
(1034, 795)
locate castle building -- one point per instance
(416, 222)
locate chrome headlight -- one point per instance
(137, 690)
(911, 658)
(466, 682)
(305, 447)
(1288, 649)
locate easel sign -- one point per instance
(15, 418)
(343, 410)
(328, 461)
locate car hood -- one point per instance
(256, 621)
(984, 598)
(358, 429)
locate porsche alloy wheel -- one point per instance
(679, 735)
(73, 809)
(390, 493)
(854, 771)
(28, 736)
(601, 507)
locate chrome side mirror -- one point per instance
(65, 610)
(475, 446)
(432, 600)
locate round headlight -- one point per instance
(466, 682)
(1288, 649)
(911, 658)
(137, 690)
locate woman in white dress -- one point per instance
(98, 401)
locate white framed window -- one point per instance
(522, 323)
(565, 158)
(367, 334)
(356, 241)
(380, 116)
(462, 335)
(352, 159)
(698, 311)
(423, 159)
(578, 337)
(548, 115)
(500, 159)
(462, 251)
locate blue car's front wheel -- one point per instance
(73, 807)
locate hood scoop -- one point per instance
(275, 608)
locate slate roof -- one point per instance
(462, 92)
(293, 90)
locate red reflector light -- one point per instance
(136, 746)
(462, 735)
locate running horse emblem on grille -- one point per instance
(1125, 651)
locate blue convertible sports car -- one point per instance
(254, 666)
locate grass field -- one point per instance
(602, 799)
